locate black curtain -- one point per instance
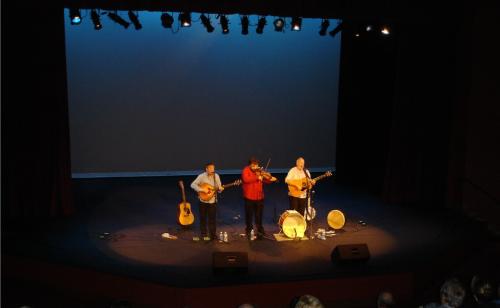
(36, 179)
(365, 104)
(396, 101)
(417, 163)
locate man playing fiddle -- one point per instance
(253, 176)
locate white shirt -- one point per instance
(296, 174)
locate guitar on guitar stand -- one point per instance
(185, 216)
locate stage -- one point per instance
(117, 231)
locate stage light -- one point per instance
(167, 20)
(75, 17)
(337, 29)
(134, 18)
(224, 23)
(385, 30)
(296, 23)
(185, 19)
(116, 18)
(206, 23)
(244, 25)
(96, 20)
(260, 25)
(324, 27)
(369, 28)
(279, 24)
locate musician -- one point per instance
(295, 177)
(208, 208)
(253, 194)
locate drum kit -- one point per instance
(293, 224)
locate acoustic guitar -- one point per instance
(184, 213)
(293, 186)
(206, 196)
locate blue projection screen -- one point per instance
(160, 100)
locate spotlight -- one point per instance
(96, 20)
(206, 23)
(116, 18)
(75, 17)
(324, 27)
(260, 25)
(296, 23)
(369, 28)
(224, 23)
(185, 19)
(166, 20)
(279, 24)
(244, 25)
(385, 30)
(337, 29)
(134, 18)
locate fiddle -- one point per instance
(266, 175)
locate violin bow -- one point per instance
(267, 165)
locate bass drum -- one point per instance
(292, 224)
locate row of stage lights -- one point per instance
(167, 21)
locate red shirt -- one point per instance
(252, 186)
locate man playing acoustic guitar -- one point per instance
(297, 193)
(208, 207)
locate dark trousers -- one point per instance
(208, 209)
(254, 208)
(298, 204)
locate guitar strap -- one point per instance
(308, 179)
(216, 187)
(307, 174)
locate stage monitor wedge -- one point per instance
(230, 263)
(350, 254)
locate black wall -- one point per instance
(474, 177)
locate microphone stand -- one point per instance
(216, 195)
(308, 205)
(309, 213)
